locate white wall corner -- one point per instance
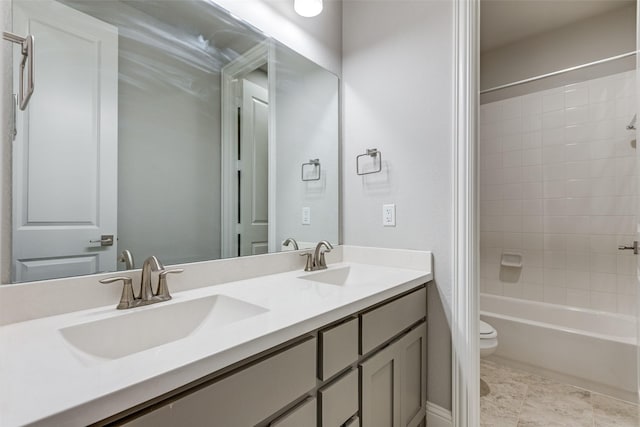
(437, 416)
(465, 251)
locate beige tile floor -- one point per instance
(521, 399)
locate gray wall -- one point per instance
(589, 40)
(307, 96)
(168, 176)
(397, 97)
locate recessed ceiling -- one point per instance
(506, 21)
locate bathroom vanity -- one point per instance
(314, 379)
(250, 341)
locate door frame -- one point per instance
(637, 133)
(230, 74)
(465, 399)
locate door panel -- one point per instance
(254, 173)
(413, 357)
(380, 389)
(65, 152)
(57, 267)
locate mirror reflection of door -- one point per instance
(247, 155)
(253, 169)
(61, 201)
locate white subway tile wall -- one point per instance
(558, 183)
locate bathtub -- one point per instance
(587, 348)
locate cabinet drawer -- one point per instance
(384, 322)
(246, 397)
(339, 400)
(338, 348)
(304, 415)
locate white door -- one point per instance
(65, 152)
(254, 170)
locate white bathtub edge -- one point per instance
(623, 340)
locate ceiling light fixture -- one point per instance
(307, 8)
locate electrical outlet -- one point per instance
(306, 216)
(389, 215)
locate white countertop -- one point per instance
(47, 382)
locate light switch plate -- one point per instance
(389, 215)
(306, 215)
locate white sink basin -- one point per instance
(147, 327)
(342, 276)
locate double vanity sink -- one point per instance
(120, 335)
(87, 365)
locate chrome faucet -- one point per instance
(292, 241)
(127, 258)
(318, 255)
(146, 296)
(316, 260)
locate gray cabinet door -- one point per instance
(413, 382)
(380, 389)
(393, 383)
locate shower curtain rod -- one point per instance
(555, 73)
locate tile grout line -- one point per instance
(593, 412)
(526, 393)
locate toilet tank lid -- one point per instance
(486, 329)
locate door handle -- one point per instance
(27, 50)
(633, 248)
(105, 240)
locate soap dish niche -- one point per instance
(511, 259)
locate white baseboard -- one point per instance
(437, 416)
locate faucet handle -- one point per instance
(127, 298)
(309, 264)
(163, 288)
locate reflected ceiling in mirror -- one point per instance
(165, 128)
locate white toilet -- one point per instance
(488, 339)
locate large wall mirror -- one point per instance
(167, 128)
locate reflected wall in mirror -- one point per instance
(165, 128)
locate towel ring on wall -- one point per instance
(26, 44)
(316, 164)
(371, 152)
